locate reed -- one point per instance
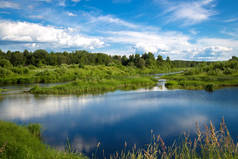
(211, 143)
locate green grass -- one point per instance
(23, 142)
(98, 86)
(201, 81)
(208, 76)
(63, 73)
(2, 90)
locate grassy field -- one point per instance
(23, 142)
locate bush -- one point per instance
(5, 63)
(5, 72)
(209, 87)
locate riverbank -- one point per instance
(20, 142)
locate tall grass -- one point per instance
(211, 143)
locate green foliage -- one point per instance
(5, 72)
(5, 63)
(208, 76)
(18, 142)
(209, 87)
(41, 58)
(140, 63)
(97, 86)
(35, 130)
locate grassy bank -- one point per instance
(19, 142)
(98, 86)
(208, 77)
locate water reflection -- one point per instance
(121, 116)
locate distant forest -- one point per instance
(42, 57)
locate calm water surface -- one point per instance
(114, 118)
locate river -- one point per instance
(120, 116)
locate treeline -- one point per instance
(216, 68)
(42, 57)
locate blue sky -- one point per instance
(181, 29)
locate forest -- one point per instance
(42, 57)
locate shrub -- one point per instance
(209, 87)
(5, 63)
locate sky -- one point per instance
(204, 30)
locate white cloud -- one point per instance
(75, 0)
(31, 32)
(112, 20)
(36, 17)
(190, 12)
(71, 14)
(212, 53)
(173, 44)
(151, 41)
(61, 3)
(7, 4)
(231, 20)
(193, 31)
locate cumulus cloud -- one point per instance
(36, 33)
(211, 52)
(190, 12)
(174, 44)
(151, 41)
(7, 4)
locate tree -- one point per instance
(40, 57)
(141, 63)
(168, 59)
(124, 60)
(149, 59)
(159, 59)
